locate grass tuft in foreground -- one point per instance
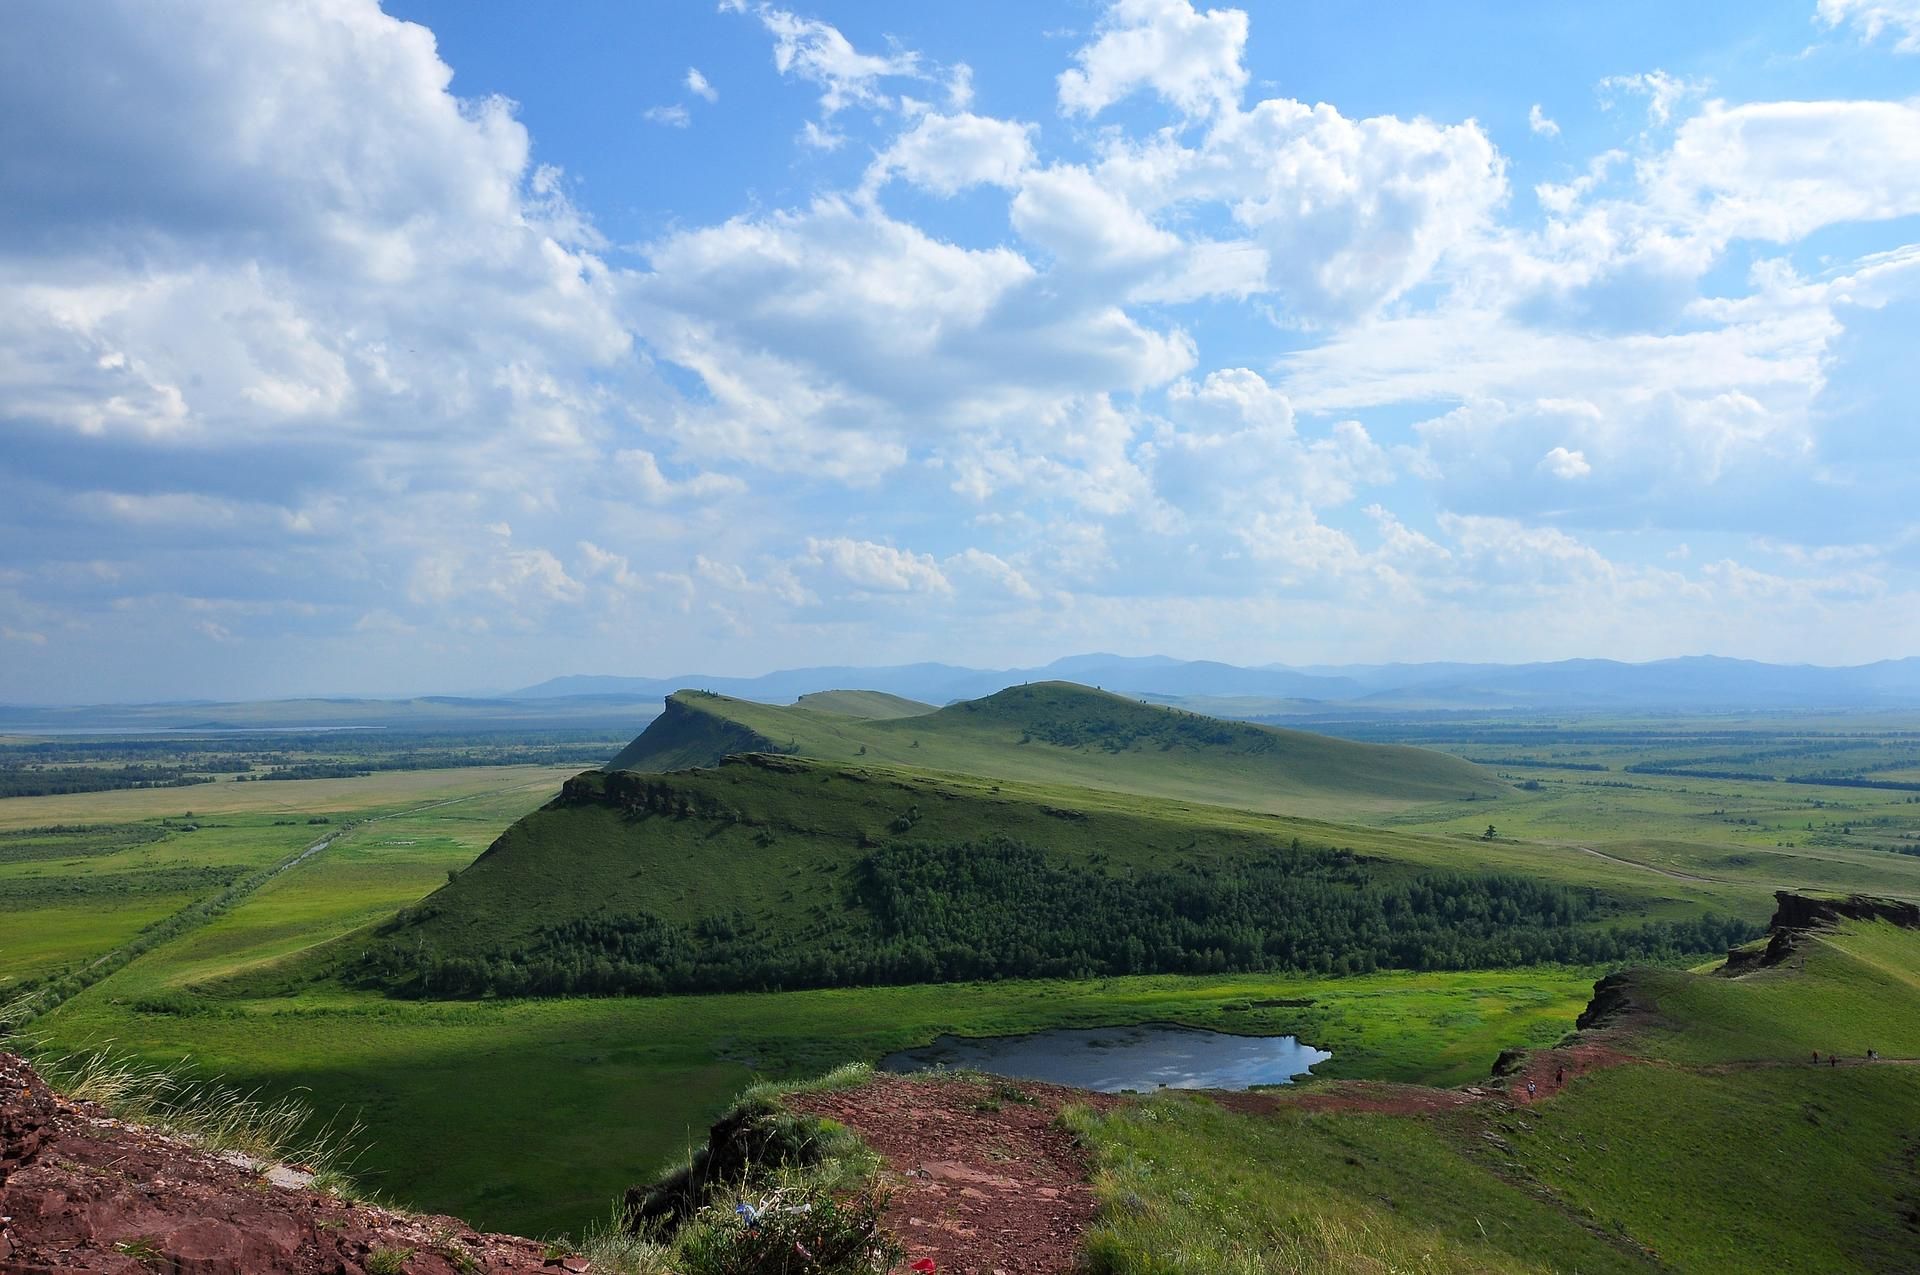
(210, 1115)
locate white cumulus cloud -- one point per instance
(1874, 18)
(1190, 59)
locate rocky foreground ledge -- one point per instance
(81, 1191)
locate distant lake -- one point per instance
(1110, 1059)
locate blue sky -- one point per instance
(438, 346)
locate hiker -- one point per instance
(1833, 1060)
(1531, 1090)
(1873, 1055)
(1816, 1058)
(1560, 1075)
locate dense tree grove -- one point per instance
(54, 781)
(1002, 909)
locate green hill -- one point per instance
(872, 705)
(1687, 1127)
(780, 872)
(1059, 732)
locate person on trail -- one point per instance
(1531, 1090)
(1560, 1075)
(1816, 1058)
(1833, 1060)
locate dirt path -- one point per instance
(985, 1181)
(1669, 873)
(203, 910)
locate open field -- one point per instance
(531, 1115)
(81, 874)
(1704, 1139)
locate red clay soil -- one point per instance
(984, 1183)
(1348, 1095)
(80, 1191)
(1550, 1070)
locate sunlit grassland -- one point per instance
(1745, 836)
(1190, 1189)
(123, 860)
(1731, 1152)
(382, 790)
(42, 939)
(1055, 733)
(594, 1095)
(531, 1115)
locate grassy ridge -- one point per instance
(771, 872)
(1060, 733)
(874, 705)
(1725, 1150)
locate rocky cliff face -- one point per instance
(1796, 914)
(1805, 912)
(81, 1191)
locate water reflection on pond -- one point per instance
(1111, 1059)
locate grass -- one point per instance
(388, 1260)
(1725, 1151)
(1060, 733)
(1853, 989)
(210, 1115)
(1773, 1170)
(1187, 1187)
(596, 1095)
(773, 847)
(874, 705)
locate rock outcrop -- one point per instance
(1796, 915)
(82, 1191)
(1807, 912)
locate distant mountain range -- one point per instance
(1690, 684)
(1317, 696)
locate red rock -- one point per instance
(78, 1185)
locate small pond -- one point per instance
(1110, 1059)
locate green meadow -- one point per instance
(592, 1096)
(1074, 736)
(1720, 1147)
(530, 1115)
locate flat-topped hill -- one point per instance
(873, 705)
(1060, 732)
(782, 872)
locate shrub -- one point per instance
(795, 1229)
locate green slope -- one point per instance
(872, 705)
(774, 871)
(1058, 732)
(1700, 1139)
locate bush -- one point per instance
(793, 1230)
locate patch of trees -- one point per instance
(1692, 772)
(1000, 908)
(54, 781)
(1538, 763)
(1834, 781)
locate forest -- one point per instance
(1001, 908)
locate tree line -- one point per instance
(1001, 908)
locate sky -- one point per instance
(442, 347)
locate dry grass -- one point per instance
(210, 1115)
